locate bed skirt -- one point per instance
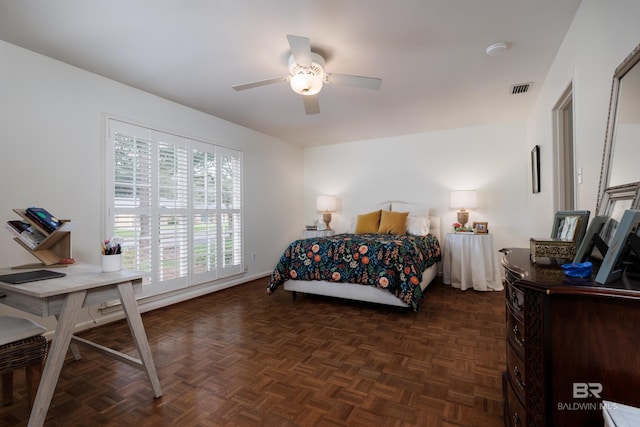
(356, 291)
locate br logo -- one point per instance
(585, 390)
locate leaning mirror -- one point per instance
(622, 140)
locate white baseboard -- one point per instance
(114, 313)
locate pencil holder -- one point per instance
(111, 263)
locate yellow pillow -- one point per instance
(393, 222)
(368, 223)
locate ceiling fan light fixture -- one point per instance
(497, 49)
(306, 83)
(306, 75)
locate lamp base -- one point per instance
(326, 217)
(463, 217)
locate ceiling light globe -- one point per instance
(306, 84)
(497, 49)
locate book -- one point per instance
(18, 226)
(44, 219)
(26, 233)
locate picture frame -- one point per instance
(611, 268)
(535, 169)
(590, 240)
(615, 201)
(481, 227)
(566, 227)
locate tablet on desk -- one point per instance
(30, 276)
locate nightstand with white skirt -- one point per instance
(471, 262)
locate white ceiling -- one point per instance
(430, 55)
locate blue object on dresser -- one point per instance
(577, 269)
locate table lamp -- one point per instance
(326, 205)
(463, 199)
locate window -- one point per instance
(176, 206)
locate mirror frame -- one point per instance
(605, 169)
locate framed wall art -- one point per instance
(535, 169)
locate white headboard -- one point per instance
(435, 227)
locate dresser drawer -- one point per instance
(515, 331)
(515, 299)
(511, 276)
(515, 370)
(516, 415)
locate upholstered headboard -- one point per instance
(435, 227)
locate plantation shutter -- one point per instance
(172, 210)
(204, 167)
(231, 211)
(131, 195)
(175, 204)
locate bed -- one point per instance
(389, 267)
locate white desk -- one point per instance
(471, 262)
(83, 286)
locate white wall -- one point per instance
(51, 134)
(423, 169)
(601, 35)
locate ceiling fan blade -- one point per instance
(261, 83)
(300, 49)
(311, 104)
(355, 81)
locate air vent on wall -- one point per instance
(520, 88)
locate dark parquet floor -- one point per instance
(238, 357)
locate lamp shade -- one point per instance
(326, 203)
(463, 199)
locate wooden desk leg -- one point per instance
(139, 336)
(55, 358)
(75, 351)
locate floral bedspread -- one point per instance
(387, 261)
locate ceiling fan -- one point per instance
(307, 75)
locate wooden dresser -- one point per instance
(570, 344)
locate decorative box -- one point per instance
(551, 248)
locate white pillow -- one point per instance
(352, 224)
(418, 226)
(414, 210)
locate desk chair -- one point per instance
(21, 346)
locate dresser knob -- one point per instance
(516, 334)
(516, 419)
(515, 301)
(518, 375)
